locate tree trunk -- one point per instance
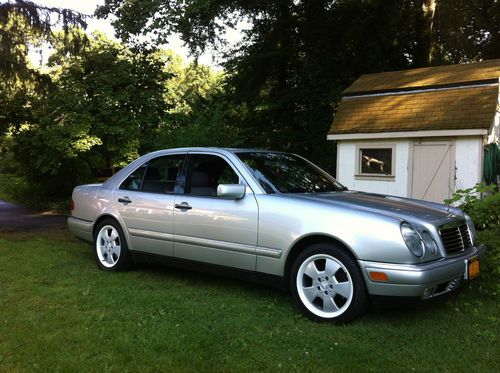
(424, 34)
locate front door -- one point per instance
(211, 229)
(145, 201)
(433, 174)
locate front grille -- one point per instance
(455, 237)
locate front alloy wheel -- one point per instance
(327, 284)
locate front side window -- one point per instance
(159, 175)
(206, 172)
(288, 173)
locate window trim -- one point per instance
(359, 175)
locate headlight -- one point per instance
(412, 239)
(472, 229)
(430, 244)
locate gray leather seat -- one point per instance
(201, 185)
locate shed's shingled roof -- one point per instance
(467, 108)
(427, 77)
(411, 102)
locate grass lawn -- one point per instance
(59, 312)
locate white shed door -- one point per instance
(433, 174)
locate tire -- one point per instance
(327, 284)
(110, 247)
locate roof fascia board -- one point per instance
(411, 134)
(421, 89)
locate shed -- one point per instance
(417, 133)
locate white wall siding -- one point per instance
(468, 161)
(346, 168)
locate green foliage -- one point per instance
(104, 103)
(102, 109)
(485, 213)
(297, 56)
(467, 30)
(490, 263)
(210, 123)
(189, 84)
(482, 203)
(201, 112)
(24, 23)
(15, 103)
(12, 187)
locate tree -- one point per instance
(337, 40)
(201, 110)
(466, 30)
(23, 23)
(200, 23)
(293, 63)
(104, 107)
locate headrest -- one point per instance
(199, 179)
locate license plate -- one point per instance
(472, 268)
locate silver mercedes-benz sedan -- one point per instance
(276, 216)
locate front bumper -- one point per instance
(425, 280)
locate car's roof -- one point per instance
(231, 150)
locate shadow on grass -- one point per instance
(52, 234)
(228, 284)
(389, 313)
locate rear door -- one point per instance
(211, 229)
(145, 201)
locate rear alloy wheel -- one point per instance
(110, 247)
(327, 284)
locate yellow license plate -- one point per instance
(473, 268)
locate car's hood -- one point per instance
(401, 208)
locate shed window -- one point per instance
(375, 161)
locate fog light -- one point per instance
(379, 276)
(428, 292)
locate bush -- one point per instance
(481, 203)
(15, 188)
(490, 262)
(485, 212)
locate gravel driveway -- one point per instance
(19, 218)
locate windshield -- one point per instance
(288, 173)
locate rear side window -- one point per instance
(159, 175)
(134, 181)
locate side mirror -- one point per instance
(233, 191)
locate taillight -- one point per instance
(72, 205)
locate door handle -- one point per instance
(183, 206)
(124, 200)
